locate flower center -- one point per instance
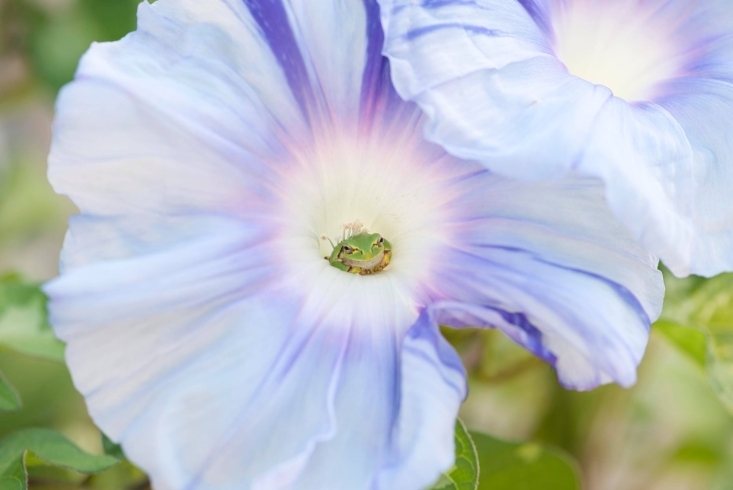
(356, 196)
(626, 45)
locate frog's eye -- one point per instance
(380, 242)
(347, 249)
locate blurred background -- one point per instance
(672, 431)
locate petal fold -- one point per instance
(433, 386)
(554, 270)
(489, 77)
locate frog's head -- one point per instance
(362, 247)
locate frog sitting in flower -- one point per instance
(360, 252)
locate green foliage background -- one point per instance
(672, 431)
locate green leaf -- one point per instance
(690, 341)
(708, 310)
(58, 39)
(523, 466)
(111, 448)
(23, 320)
(113, 19)
(13, 477)
(49, 446)
(9, 398)
(465, 472)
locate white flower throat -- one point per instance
(385, 183)
(625, 45)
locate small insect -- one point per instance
(363, 253)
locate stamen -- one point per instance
(353, 228)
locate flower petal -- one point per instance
(433, 386)
(136, 105)
(315, 28)
(473, 70)
(641, 154)
(499, 94)
(553, 269)
(702, 108)
(420, 442)
(194, 358)
(329, 83)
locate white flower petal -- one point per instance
(433, 387)
(196, 365)
(703, 109)
(516, 92)
(137, 106)
(318, 27)
(551, 267)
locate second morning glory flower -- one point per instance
(218, 155)
(638, 93)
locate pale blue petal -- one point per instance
(486, 75)
(433, 387)
(473, 68)
(137, 106)
(333, 75)
(330, 51)
(195, 358)
(404, 443)
(642, 155)
(552, 268)
(703, 109)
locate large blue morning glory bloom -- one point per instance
(213, 153)
(638, 93)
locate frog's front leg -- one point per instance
(340, 265)
(385, 261)
(387, 258)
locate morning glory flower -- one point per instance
(638, 93)
(218, 155)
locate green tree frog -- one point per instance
(364, 253)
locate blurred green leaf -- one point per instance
(502, 359)
(724, 480)
(57, 44)
(707, 309)
(23, 323)
(696, 451)
(38, 470)
(28, 207)
(123, 476)
(113, 19)
(9, 398)
(60, 38)
(12, 476)
(523, 466)
(48, 445)
(465, 472)
(690, 341)
(111, 448)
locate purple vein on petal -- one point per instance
(272, 20)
